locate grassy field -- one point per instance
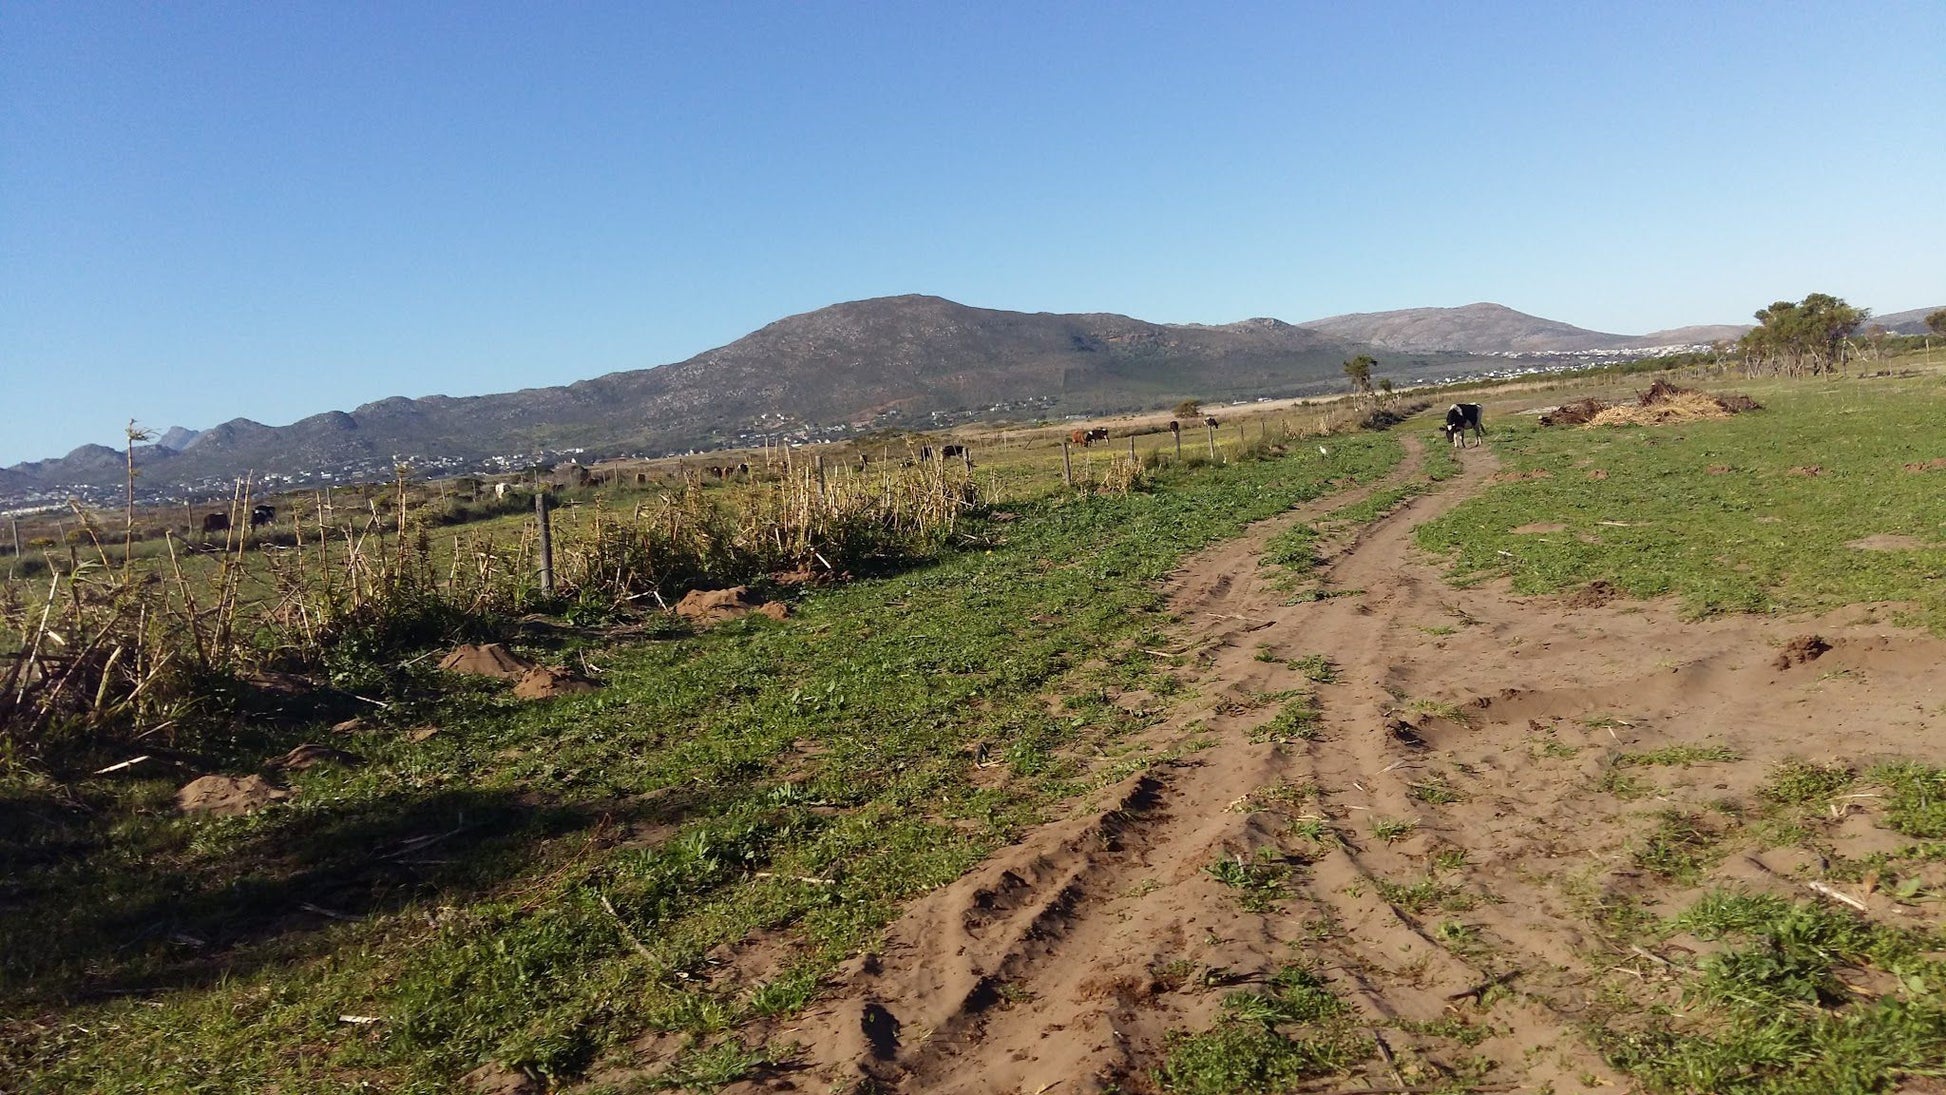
(532, 885)
(1803, 506)
(694, 848)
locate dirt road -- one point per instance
(1438, 848)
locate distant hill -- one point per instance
(1907, 323)
(1495, 328)
(890, 362)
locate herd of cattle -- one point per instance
(220, 522)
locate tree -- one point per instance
(1803, 337)
(1936, 322)
(1189, 408)
(1359, 369)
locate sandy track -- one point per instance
(1062, 962)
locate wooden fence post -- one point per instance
(547, 543)
(1131, 449)
(1211, 426)
(1067, 466)
(966, 457)
(820, 475)
(1178, 436)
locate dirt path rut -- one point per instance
(1432, 839)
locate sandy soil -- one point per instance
(1061, 963)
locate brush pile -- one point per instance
(1663, 402)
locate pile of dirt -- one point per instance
(1593, 595)
(1804, 648)
(1574, 414)
(228, 796)
(708, 606)
(486, 660)
(1937, 463)
(1663, 402)
(310, 755)
(547, 682)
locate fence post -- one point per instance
(820, 475)
(1178, 436)
(1211, 426)
(547, 543)
(1067, 466)
(1131, 449)
(966, 457)
(11, 567)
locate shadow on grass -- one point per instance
(117, 906)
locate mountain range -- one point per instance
(889, 362)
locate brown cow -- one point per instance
(1078, 437)
(216, 522)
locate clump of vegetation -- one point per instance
(1800, 783)
(1294, 1030)
(1297, 720)
(1770, 1012)
(1679, 755)
(1916, 805)
(1260, 882)
(1679, 849)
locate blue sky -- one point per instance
(270, 210)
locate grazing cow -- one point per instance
(262, 515)
(950, 451)
(500, 490)
(1210, 422)
(1461, 417)
(216, 522)
(1078, 437)
(743, 470)
(1099, 433)
(717, 473)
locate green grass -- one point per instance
(1769, 1013)
(1679, 850)
(1392, 830)
(1297, 720)
(1757, 539)
(692, 796)
(1260, 883)
(1317, 668)
(1916, 802)
(1798, 783)
(1292, 1031)
(1679, 756)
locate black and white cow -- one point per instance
(1461, 417)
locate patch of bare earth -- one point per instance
(1487, 720)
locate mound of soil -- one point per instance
(545, 683)
(228, 796)
(1574, 414)
(1808, 471)
(1663, 402)
(708, 606)
(311, 755)
(1886, 541)
(1804, 648)
(1937, 463)
(486, 660)
(1593, 595)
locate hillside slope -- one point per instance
(889, 361)
(1495, 328)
